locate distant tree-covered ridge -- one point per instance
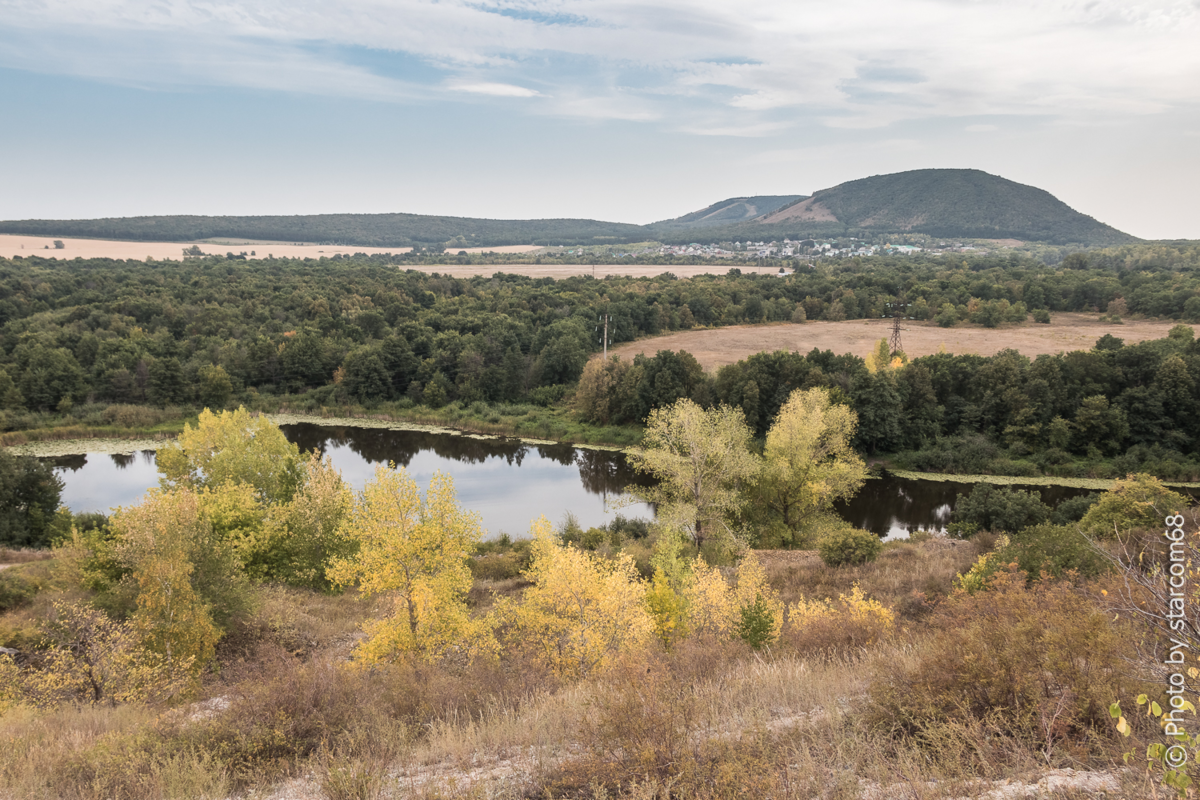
(368, 230)
(939, 202)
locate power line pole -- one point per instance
(899, 312)
(604, 319)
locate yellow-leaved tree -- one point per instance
(808, 462)
(415, 549)
(582, 609)
(181, 571)
(702, 461)
(229, 448)
(882, 359)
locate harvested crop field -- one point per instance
(716, 347)
(14, 245)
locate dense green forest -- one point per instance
(88, 334)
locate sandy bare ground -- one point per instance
(1067, 331)
(12, 245)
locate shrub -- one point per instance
(498, 566)
(849, 546)
(1043, 662)
(1073, 508)
(1051, 551)
(1041, 315)
(1139, 501)
(992, 508)
(854, 620)
(15, 590)
(970, 454)
(757, 623)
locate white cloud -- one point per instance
(981, 128)
(493, 89)
(853, 64)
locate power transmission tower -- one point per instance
(604, 319)
(899, 312)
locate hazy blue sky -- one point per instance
(617, 110)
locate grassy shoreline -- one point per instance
(59, 435)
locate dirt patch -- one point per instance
(809, 210)
(717, 347)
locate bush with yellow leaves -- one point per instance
(750, 609)
(853, 620)
(91, 659)
(583, 609)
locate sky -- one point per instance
(605, 109)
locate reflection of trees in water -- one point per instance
(889, 502)
(73, 463)
(601, 472)
(378, 445)
(122, 460)
(604, 472)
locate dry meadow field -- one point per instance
(715, 347)
(13, 245)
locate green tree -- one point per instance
(702, 461)
(1097, 423)
(51, 377)
(215, 386)
(364, 376)
(29, 498)
(10, 396)
(993, 508)
(166, 381)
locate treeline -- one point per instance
(363, 330)
(368, 230)
(1105, 412)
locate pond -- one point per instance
(510, 482)
(507, 482)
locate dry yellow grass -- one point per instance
(716, 347)
(14, 245)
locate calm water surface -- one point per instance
(509, 483)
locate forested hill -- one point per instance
(964, 203)
(369, 230)
(948, 202)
